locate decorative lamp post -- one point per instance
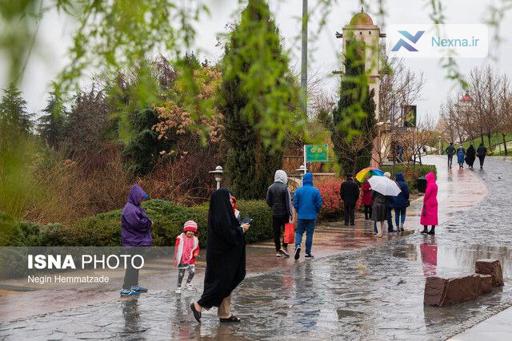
(217, 173)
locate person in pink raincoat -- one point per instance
(429, 210)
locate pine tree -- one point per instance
(51, 123)
(13, 111)
(258, 94)
(353, 124)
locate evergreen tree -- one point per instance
(13, 111)
(353, 120)
(51, 123)
(143, 150)
(258, 94)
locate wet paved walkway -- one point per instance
(365, 291)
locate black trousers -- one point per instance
(278, 228)
(481, 159)
(349, 213)
(389, 216)
(367, 212)
(450, 160)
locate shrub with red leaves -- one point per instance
(330, 191)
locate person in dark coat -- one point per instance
(135, 232)
(278, 198)
(225, 258)
(401, 202)
(481, 152)
(450, 151)
(379, 212)
(349, 192)
(470, 156)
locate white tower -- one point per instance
(362, 28)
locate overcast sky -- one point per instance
(56, 30)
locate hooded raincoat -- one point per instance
(402, 199)
(135, 224)
(307, 199)
(225, 251)
(430, 206)
(278, 196)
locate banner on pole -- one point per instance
(316, 153)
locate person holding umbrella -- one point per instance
(382, 187)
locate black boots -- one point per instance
(432, 230)
(425, 230)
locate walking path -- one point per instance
(358, 287)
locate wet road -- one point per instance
(370, 293)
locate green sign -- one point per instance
(316, 152)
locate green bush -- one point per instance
(411, 172)
(104, 229)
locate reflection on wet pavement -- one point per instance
(367, 293)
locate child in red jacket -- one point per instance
(185, 253)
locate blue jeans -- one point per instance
(400, 215)
(307, 225)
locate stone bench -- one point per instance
(446, 291)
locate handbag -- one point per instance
(289, 233)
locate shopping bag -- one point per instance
(289, 233)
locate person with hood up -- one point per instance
(307, 202)
(349, 192)
(278, 198)
(430, 205)
(401, 202)
(389, 208)
(461, 153)
(225, 258)
(470, 156)
(367, 200)
(481, 152)
(135, 232)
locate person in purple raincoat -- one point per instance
(135, 232)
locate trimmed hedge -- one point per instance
(104, 229)
(411, 172)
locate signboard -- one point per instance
(316, 153)
(409, 112)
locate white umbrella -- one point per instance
(384, 186)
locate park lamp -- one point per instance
(217, 174)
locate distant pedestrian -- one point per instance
(429, 210)
(185, 253)
(481, 152)
(349, 192)
(278, 198)
(470, 156)
(450, 151)
(307, 202)
(389, 209)
(367, 200)
(135, 234)
(461, 153)
(379, 212)
(401, 202)
(225, 258)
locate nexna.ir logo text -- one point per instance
(412, 38)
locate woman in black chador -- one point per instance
(225, 257)
(470, 156)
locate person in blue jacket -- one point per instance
(307, 202)
(400, 202)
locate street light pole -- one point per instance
(304, 56)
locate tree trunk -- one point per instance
(505, 143)
(482, 138)
(489, 139)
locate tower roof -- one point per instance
(361, 19)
